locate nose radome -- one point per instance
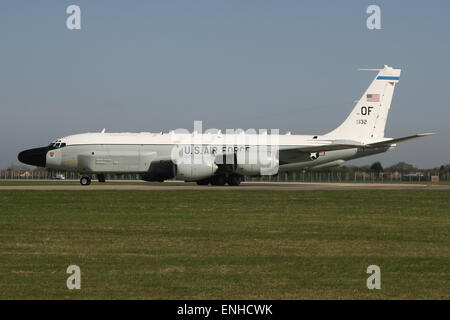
(34, 157)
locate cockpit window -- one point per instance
(57, 145)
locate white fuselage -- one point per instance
(133, 152)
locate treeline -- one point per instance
(400, 167)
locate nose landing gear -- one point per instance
(85, 180)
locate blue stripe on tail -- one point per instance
(387, 78)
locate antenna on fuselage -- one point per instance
(373, 69)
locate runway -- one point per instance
(287, 186)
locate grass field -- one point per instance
(66, 182)
(231, 244)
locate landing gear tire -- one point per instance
(234, 180)
(218, 180)
(85, 181)
(203, 182)
(101, 178)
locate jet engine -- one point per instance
(193, 172)
(160, 171)
(263, 166)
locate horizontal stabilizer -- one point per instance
(393, 141)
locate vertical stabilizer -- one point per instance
(367, 121)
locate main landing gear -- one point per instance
(221, 180)
(234, 180)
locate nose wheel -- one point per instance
(85, 181)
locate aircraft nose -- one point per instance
(34, 157)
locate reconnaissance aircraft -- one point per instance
(224, 157)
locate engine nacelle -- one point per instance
(193, 172)
(267, 166)
(160, 171)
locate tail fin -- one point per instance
(368, 119)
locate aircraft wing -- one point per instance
(302, 153)
(325, 147)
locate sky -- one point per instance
(159, 65)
